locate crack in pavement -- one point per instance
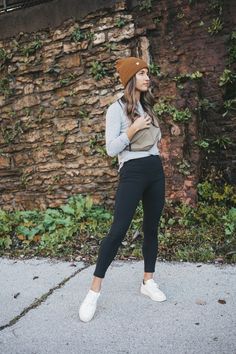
(39, 301)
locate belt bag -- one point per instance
(144, 139)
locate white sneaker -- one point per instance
(88, 306)
(151, 289)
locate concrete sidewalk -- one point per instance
(40, 299)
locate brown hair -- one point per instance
(146, 99)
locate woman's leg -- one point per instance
(128, 194)
(153, 203)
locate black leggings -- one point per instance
(141, 178)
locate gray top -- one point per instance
(116, 137)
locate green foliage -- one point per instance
(145, 5)
(11, 131)
(161, 108)
(155, 69)
(180, 15)
(5, 87)
(183, 167)
(204, 105)
(227, 77)
(97, 70)
(199, 233)
(53, 229)
(111, 46)
(210, 145)
(84, 114)
(120, 22)
(3, 57)
(216, 5)
(230, 106)
(157, 19)
(77, 35)
(230, 223)
(184, 77)
(232, 48)
(31, 48)
(68, 79)
(213, 193)
(215, 27)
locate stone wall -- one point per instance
(57, 82)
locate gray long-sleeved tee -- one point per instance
(116, 137)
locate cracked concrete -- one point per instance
(24, 284)
(199, 315)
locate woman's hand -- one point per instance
(142, 122)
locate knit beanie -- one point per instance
(128, 67)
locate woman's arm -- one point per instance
(115, 141)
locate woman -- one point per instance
(132, 133)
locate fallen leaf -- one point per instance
(20, 237)
(222, 301)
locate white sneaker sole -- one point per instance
(145, 292)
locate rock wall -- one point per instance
(57, 82)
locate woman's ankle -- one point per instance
(97, 290)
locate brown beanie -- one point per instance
(128, 67)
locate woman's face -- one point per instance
(142, 80)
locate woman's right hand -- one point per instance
(142, 122)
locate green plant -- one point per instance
(180, 15)
(215, 27)
(31, 48)
(230, 223)
(154, 69)
(97, 70)
(11, 131)
(222, 142)
(216, 5)
(83, 114)
(145, 5)
(5, 87)
(4, 56)
(96, 144)
(183, 167)
(111, 46)
(205, 144)
(204, 105)
(67, 80)
(184, 77)
(162, 107)
(24, 179)
(227, 77)
(77, 35)
(229, 105)
(232, 48)
(157, 19)
(120, 22)
(215, 193)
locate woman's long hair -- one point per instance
(146, 99)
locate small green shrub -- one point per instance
(215, 27)
(145, 5)
(97, 70)
(161, 108)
